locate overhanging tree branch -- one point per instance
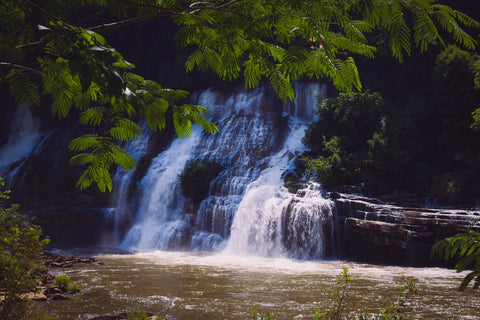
(18, 66)
(123, 23)
(104, 27)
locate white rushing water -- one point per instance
(248, 210)
(23, 140)
(121, 212)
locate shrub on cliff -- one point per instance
(20, 260)
(196, 177)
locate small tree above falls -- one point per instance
(347, 140)
(196, 177)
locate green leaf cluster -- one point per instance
(283, 41)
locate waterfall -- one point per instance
(120, 214)
(272, 222)
(247, 210)
(22, 141)
(161, 202)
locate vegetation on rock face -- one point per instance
(196, 177)
(20, 260)
(47, 58)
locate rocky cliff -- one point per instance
(367, 230)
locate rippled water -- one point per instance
(179, 285)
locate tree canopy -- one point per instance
(51, 55)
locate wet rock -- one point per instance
(53, 290)
(59, 296)
(123, 316)
(36, 296)
(53, 260)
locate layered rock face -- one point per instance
(369, 231)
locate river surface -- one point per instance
(180, 285)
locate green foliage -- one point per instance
(394, 311)
(66, 285)
(465, 248)
(329, 169)
(37, 315)
(22, 88)
(338, 298)
(257, 315)
(62, 281)
(290, 180)
(415, 145)
(74, 70)
(137, 315)
(196, 177)
(74, 288)
(347, 134)
(20, 261)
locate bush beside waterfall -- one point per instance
(196, 177)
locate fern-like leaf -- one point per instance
(84, 142)
(476, 73)
(399, 33)
(181, 123)
(125, 129)
(252, 73)
(281, 84)
(466, 248)
(92, 116)
(196, 114)
(22, 88)
(155, 114)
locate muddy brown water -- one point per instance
(179, 285)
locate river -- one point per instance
(186, 285)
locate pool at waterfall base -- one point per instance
(189, 285)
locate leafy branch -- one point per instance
(465, 247)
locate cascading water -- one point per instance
(22, 141)
(122, 208)
(247, 211)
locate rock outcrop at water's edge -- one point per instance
(367, 230)
(46, 289)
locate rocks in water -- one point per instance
(46, 289)
(59, 296)
(123, 316)
(53, 260)
(39, 295)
